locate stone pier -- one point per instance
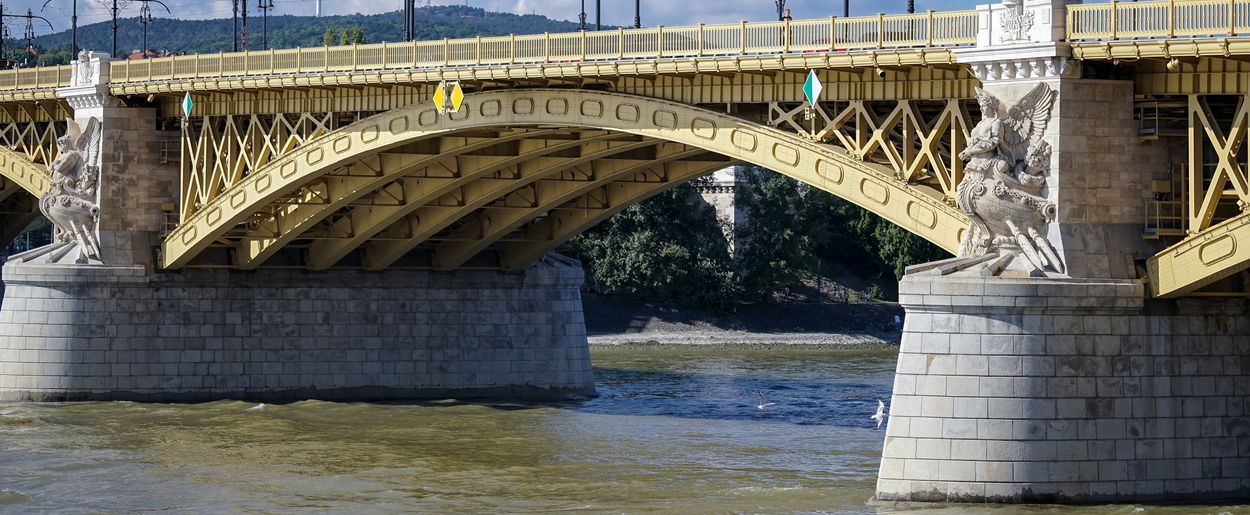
(119, 333)
(1043, 390)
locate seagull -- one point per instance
(258, 407)
(762, 403)
(879, 416)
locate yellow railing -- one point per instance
(35, 78)
(822, 35)
(1159, 19)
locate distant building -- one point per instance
(719, 192)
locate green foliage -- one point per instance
(775, 247)
(329, 37)
(668, 247)
(663, 247)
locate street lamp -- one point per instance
(781, 9)
(30, 26)
(581, 18)
(407, 20)
(265, 6)
(243, 34)
(145, 17)
(637, 14)
(114, 7)
(598, 11)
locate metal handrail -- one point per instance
(820, 35)
(1158, 19)
(35, 78)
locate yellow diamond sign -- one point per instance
(440, 97)
(457, 97)
(448, 96)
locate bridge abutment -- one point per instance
(70, 333)
(1044, 390)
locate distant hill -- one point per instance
(207, 36)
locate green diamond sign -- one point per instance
(812, 88)
(187, 104)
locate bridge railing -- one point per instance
(821, 35)
(1159, 19)
(35, 78)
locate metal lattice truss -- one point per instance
(1217, 196)
(919, 140)
(26, 150)
(221, 150)
(512, 176)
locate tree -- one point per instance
(329, 37)
(777, 245)
(662, 247)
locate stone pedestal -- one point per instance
(1066, 390)
(117, 333)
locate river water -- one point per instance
(674, 430)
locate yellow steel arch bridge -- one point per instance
(334, 157)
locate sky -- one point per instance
(615, 12)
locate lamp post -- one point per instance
(145, 17)
(581, 18)
(598, 11)
(781, 9)
(911, 6)
(235, 30)
(243, 33)
(30, 26)
(637, 14)
(265, 6)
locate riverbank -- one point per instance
(619, 321)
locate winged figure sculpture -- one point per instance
(71, 204)
(1001, 191)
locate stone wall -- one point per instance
(118, 333)
(1100, 178)
(1045, 390)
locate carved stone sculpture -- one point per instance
(85, 71)
(1007, 167)
(71, 204)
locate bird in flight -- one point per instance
(763, 404)
(879, 416)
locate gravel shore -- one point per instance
(617, 321)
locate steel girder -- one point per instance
(630, 129)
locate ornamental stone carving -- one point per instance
(1015, 25)
(1022, 68)
(84, 70)
(72, 205)
(1008, 163)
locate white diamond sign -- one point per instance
(812, 88)
(187, 104)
